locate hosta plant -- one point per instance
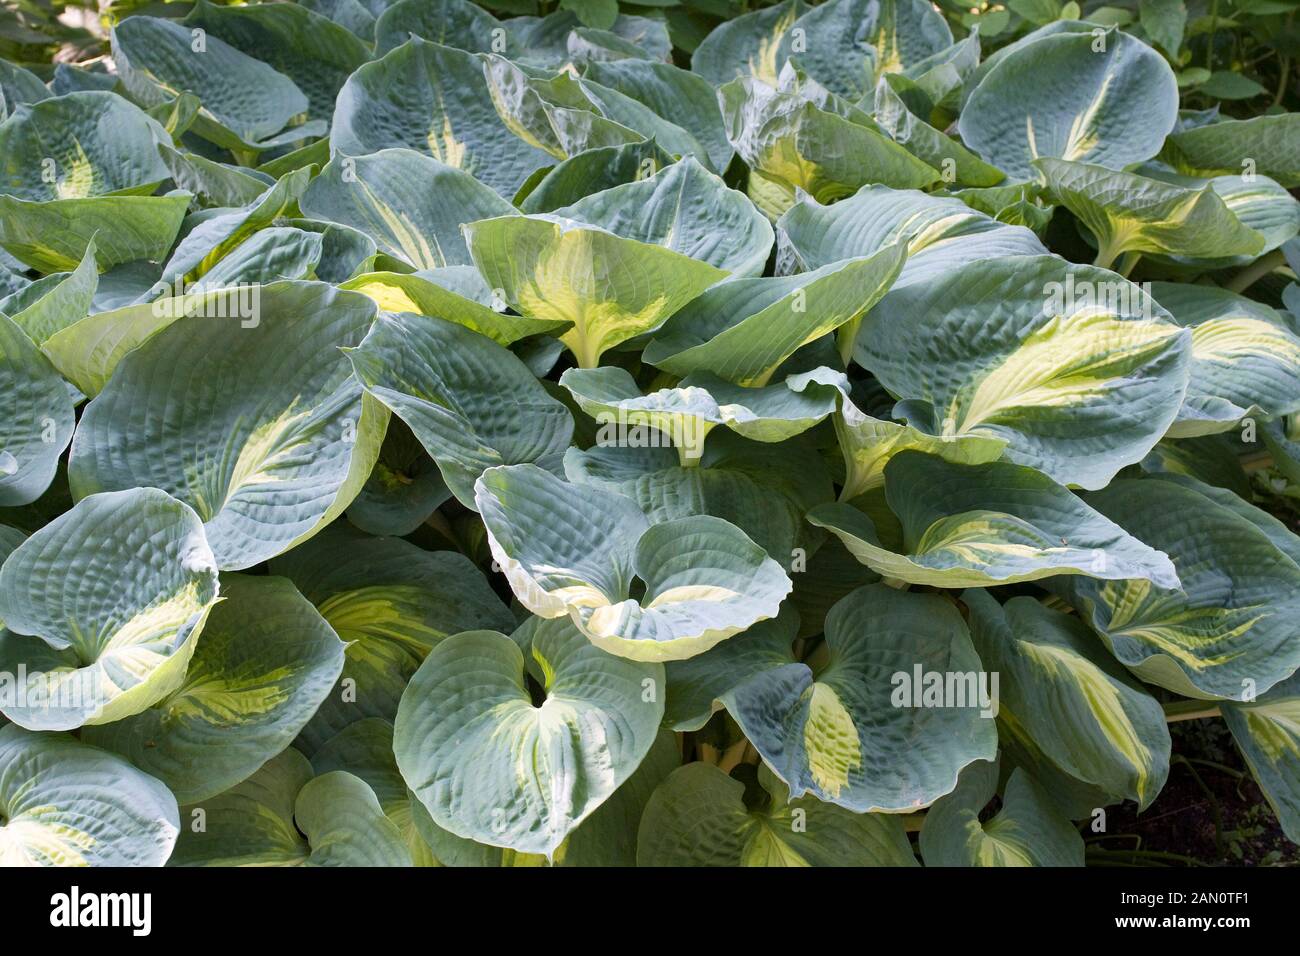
(691, 434)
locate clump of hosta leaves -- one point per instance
(841, 434)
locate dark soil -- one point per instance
(1210, 813)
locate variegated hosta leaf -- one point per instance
(616, 115)
(699, 403)
(1258, 202)
(53, 235)
(573, 550)
(1245, 358)
(686, 208)
(1102, 98)
(214, 183)
(606, 838)
(609, 287)
(36, 417)
(682, 97)
(266, 661)
(1079, 370)
(433, 293)
(847, 44)
(365, 749)
(699, 817)
(558, 114)
(1229, 632)
(739, 481)
(212, 238)
(930, 145)
(54, 302)
(940, 233)
(1028, 831)
(1130, 213)
(1267, 731)
(994, 523)
(246, 104)
(446, 383)
(748, 45)
(871, 727)
(1267, 145)
(280, 252)
(103, 607)
(78, 146)
(491, 765)
(283, 816)
(1076, 704)
(68, 804)
(744, 329)
(445, 110)
(390, 602)
(411, 204)
(251, 417)
(790, 143)
(868, 443)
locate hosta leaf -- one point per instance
(283, 816)
(742, 330)
(587, 173)
(698, 404)
(280, 252)
(1227, 632)
(748, 45)
(266, 661)
(794, 144)
(856, 731)
(1079, 707)
(868, 444)
(436, 293)
(410, 204)
(738, 483)
(67, 804)
(940, 233)
(1130, 213)
(446, 111)
(365, 749)
(53, 236)
(683, 98)
(454, 23)
(1267, 145)
(214, 236)
(686, 208)
(390, 602)
(36, 417)
(403, 490)
(19, 86)
(245, 102)
(569, 549)
(490, 765)
(958, 164)
(1106, 99)
(314, 53)
(214, 183)
(78, 146)
(994, 523)
(1027, 831)
(445, 382)
(136, 580)
(1077, 369)
(1267, 731)
(699, 817)
(55, 301)
(285, 440)
(610, 288)
(1245, 358)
